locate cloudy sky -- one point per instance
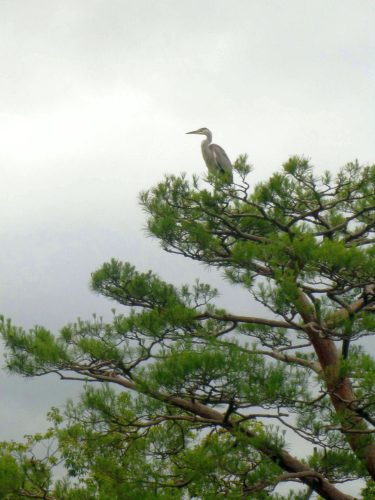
(96, 96)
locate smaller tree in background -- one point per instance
(193, 400)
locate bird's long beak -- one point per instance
(193, 132)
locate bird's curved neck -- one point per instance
(208, 139)
(206, 153)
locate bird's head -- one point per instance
(201, 131)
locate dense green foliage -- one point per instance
(195, 402)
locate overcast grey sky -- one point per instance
(96, 96)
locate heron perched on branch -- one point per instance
(214, 156)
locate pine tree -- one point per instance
(193, 400)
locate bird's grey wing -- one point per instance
(221, 158)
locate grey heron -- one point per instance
(214, 156)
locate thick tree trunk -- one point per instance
(339, 388)
(343, 398)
